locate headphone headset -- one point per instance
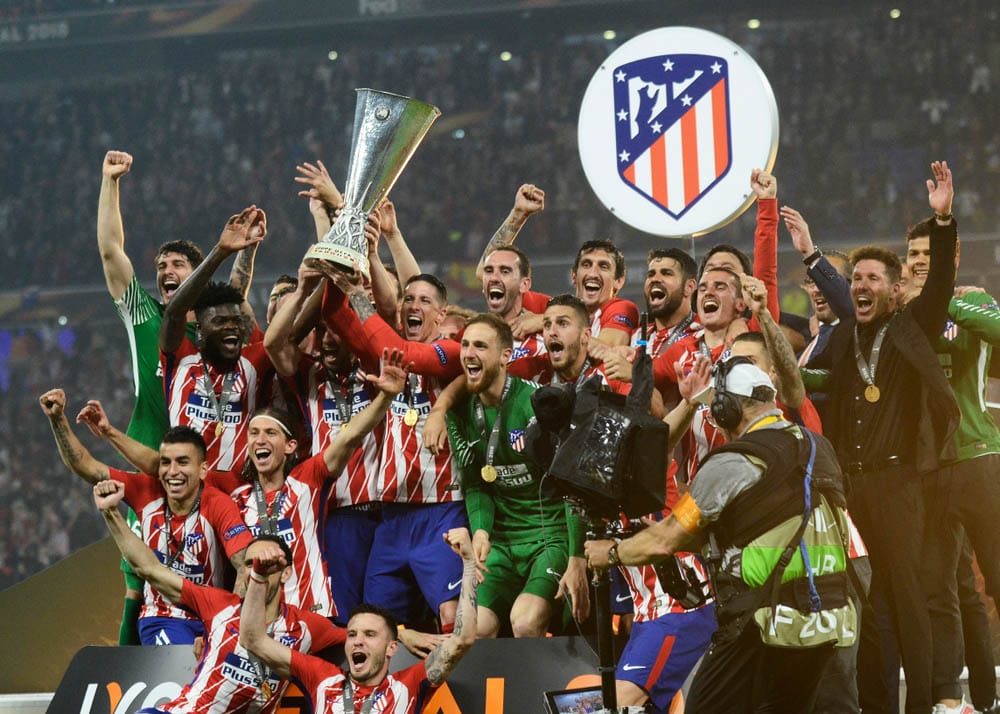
(726, 409)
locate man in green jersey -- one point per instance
(531, 544)
(966, 492)
(142, 315)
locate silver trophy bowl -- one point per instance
(388, 128)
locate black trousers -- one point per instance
(888, 508)
(963, 499)
(745, 676)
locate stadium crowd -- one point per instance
(347, 428)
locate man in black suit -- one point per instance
(891, 417)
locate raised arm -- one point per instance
(389, 383)
(930, 307)
(402, 258)
(765, 237)
(139, 455)
(241, 231)
(384, 293)
(445, 658)
(693, 387)
(832, 284)
(253, 635)
(977, 312)
(107, 495)
(528, 200)
(791, 392)
(118, 270)
(280, 339)
(73, 453)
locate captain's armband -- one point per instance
(687, 514)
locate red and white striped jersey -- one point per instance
(206, 537)
(300, 501)
(649, 599)
(702, 436)
(227, 680)
(658, 340)
(615, 314)
(188, 403)
(409, 472)
(398, 693)
(531, 346)
(358, 481)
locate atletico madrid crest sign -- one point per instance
(670, 128)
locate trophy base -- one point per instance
(339, 257)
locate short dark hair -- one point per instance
(286, 278)
(523, 264)
(432, 280)
(890, 260)
(918, 230)
(366, 608)
(185, 435)
(728, 271)
(186, 248)
(217, 293)
(688, 267)
(608, 247)
(272, 538)
(505, 337)
(756, 338)
(249, 472)
(571, 301)
(726, 248)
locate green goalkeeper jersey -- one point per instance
(964, 351)
(516, 507)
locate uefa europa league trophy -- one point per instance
(388, 128)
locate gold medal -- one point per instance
(489, 473)
(411, 417)
(265, 688)
(872, 393)
(219, 429)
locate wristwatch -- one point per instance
(613, 555)
(814, 256)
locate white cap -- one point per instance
(742, 379)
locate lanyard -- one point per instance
(366, 705)
(491, 445)
(268, 517)
(343, 407)
(218, 403)
(673, 335)
(189, 522)
(866, 368)
(556, 379)
(260, 669)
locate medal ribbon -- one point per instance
(673, 335)
(218, 403)
(189, 522)
(366, 705)
(260, 669)
(268, 517)
(866, 369)
(343, 407)
(494, 436)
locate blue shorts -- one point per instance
(661, 653)
(347, 542)
(169, 631)
(409, 557)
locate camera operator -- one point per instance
(776, 552)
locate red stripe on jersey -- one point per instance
(410, 473)
(206, 538)
(188, 403)
(298, 525)
(357, 483)
(324, 683)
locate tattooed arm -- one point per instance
(528, 200)
(73, 453)
(445, 658)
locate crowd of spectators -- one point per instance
(864, 101)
